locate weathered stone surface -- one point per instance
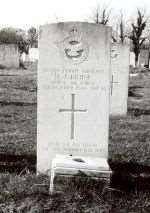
(67, 167)
(119, 79)
(73, 91)
(9, 56)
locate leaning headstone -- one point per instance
(73, 92)
(120, 55)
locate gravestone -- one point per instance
(120, 55)
(33, 54)
(144, 58)
(9, 55)
(132, 59)
(73, 91)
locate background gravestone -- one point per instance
(73, 91)
(120, 55)
(144, 58)
(9, 55)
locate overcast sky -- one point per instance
(24, 14)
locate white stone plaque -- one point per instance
(120, 55)
(73, 91)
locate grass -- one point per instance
(18, 111)
(129, 136)
(129, 148)
(130, 140)
(22, 194)
(18, 128)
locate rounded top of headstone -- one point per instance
(61, 24)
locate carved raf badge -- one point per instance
(74, 49)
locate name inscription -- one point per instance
(74, 79)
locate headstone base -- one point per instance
(71, 172)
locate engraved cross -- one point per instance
(113, 82)
(72, 111)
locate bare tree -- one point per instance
(15, 36)
(101, 15)
(137, 33)
(122, 34)
(119, 28)
(33, 36)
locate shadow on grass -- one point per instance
(17, 103)
(138, 112)
(17, 163)
(135, 91)
(125, 177)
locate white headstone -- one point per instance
(73, 91)
(33, 54)
(132, 59)
(119, 80)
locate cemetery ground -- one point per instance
(129, 154)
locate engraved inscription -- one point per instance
(82, 147)
(78, 79)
